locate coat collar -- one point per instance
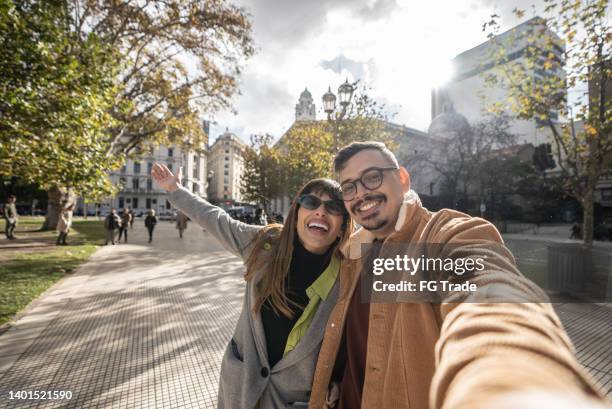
(411, 204)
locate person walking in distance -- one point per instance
(181, 223)
(126, 219)
(10, 217)
(150, 222)
(65, 221)
(111, 223)
(131, 219)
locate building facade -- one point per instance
(226, 167)
(140, 193)
(468, 93)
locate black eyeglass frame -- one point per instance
(353, 183)
(326, 203)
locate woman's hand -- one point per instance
(165, 178)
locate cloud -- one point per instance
(358, 69)
(380, 9)
(291, 22)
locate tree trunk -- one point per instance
(587, 215)
(56, 196)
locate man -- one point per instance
(10, 217)
(111, 223)
(150, 222)
(433, 355)
(126, 219)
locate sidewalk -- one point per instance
(144, 325)
(130, 329)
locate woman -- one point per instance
(65, 221)
(181, 223)
(290, 292)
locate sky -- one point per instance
(399, 48)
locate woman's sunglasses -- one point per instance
(312, 202)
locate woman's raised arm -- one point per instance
(234, 235)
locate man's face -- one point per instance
(376, 210)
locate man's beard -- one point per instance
(370, 223)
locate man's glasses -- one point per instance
(370, 179)
(312, 202)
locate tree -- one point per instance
(54, 108)
(307, 148)
(178, 60)
(463, 159)
(580, 55)
(261, 180)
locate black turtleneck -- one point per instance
(305, 268)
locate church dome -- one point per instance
(305, 94)
(448, 123)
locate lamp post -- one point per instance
(345, 94)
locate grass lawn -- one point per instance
(25, 273)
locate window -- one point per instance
(226, 172)
(121, 204)
(128, 200)
(154, 201)
(149, 167)
(168, 205)
(195, 188)
(135, 184)
(123, 169)
(136, 168)
(227, 151)
(148, 203)
(170, 152)
(170, 167)
(227, 165)
(224, 188)
(606, 195)
(135, 203)
(149, 184)
(227, 158)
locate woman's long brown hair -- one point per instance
(279, 239)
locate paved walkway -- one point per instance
(145, 325)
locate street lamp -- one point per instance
(345, 94)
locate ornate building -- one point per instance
(226, 166)
(305, 108)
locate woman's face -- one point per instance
(317, 229)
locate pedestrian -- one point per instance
(65, 222)
(11, 218)
(260, 217)
(461, 349)
(576, 231)
(126, 220)
(181, 223)
(111, 223)
(131, 219)
(291, 285)
(150, 222)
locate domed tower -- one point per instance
(305, 108)
(448, 123)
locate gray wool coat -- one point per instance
(246, 376)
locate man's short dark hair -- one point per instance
(354, 148)
(12, 197)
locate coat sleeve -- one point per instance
(234, 235)
(491, 348)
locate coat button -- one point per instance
(265, 372)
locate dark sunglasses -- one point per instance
(312, 202)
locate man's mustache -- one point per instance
(374, 196)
